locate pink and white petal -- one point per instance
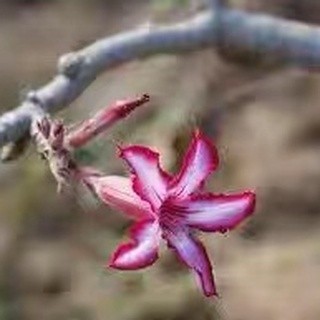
(117, 192)
(192, 253)
(150, 181)
(141, 251)
(217, 212)
(200, 160)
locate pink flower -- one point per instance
(171, 208)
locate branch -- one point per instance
(216, 4)
(292, 42)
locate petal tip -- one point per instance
(251, 195)
(113, 264)
(129, 151)
(109, 264)
(146, 97)
(120, 150)
(211, 294)
(211, 147)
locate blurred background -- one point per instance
(265, 119)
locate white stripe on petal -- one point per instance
(193, 254)
(150, 181)
(217, 212)
(200, 160)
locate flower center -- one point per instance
(171, 215)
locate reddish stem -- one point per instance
(103, 120)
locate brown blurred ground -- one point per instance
(266, 121)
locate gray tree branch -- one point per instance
(291, 42)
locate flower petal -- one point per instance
(150, 181)
(217, 212)
(117, 192)
(192, 252)
(200, 160)
(141, 251)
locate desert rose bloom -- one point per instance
(171, 208)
